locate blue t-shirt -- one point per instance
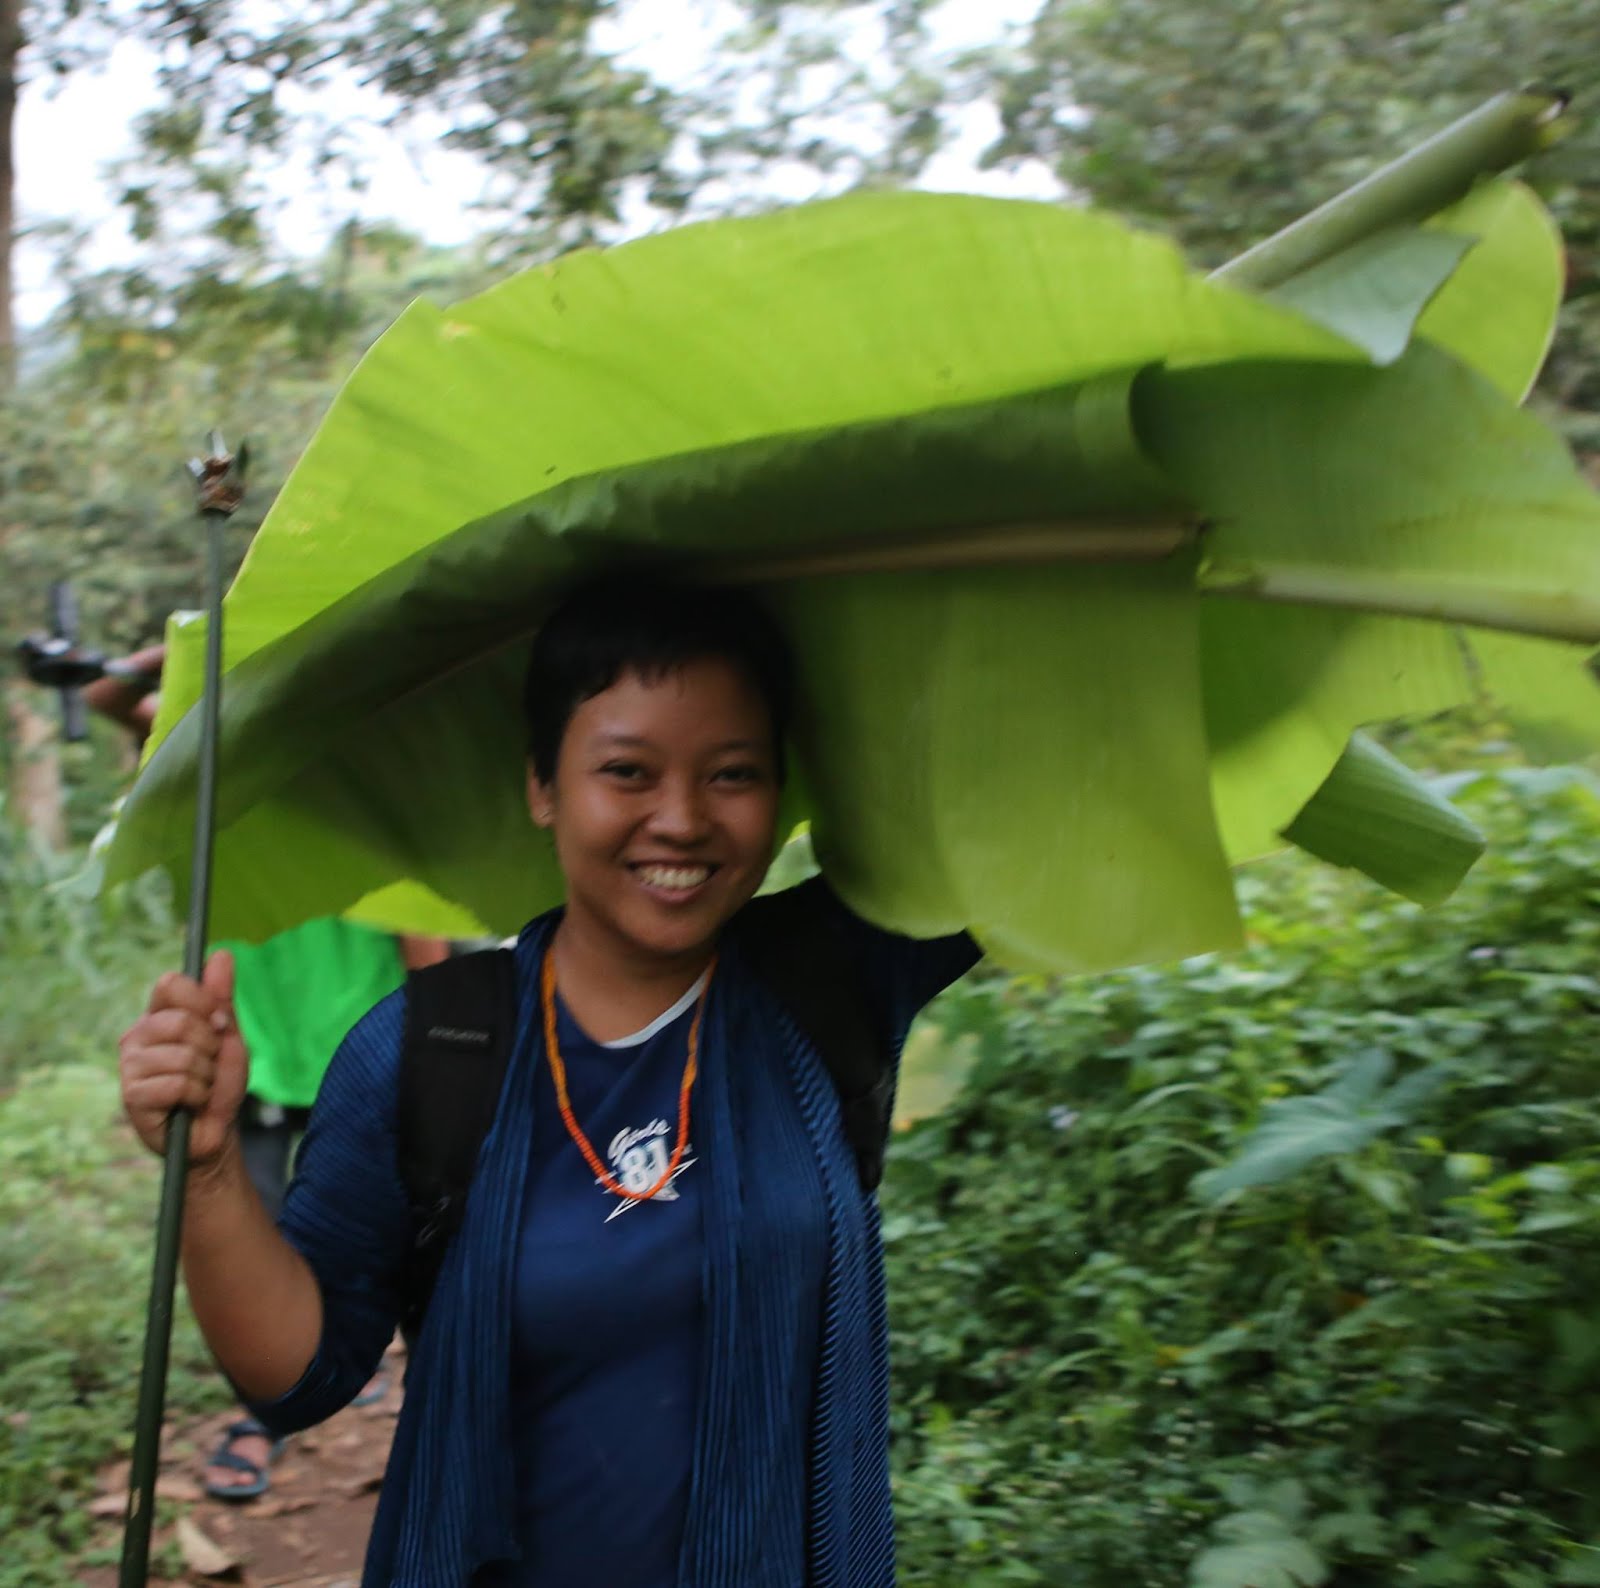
(606, 1335)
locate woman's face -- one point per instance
(663, 807)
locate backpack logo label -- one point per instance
(459, 1036)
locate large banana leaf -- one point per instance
(1092, 565)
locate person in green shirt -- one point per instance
(295, 997)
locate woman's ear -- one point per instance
(541, 799)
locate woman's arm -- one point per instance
(128, 698)
(348, 1216)
(254, 1296)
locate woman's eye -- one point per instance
(624, 771)
(741, 774)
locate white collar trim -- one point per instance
(665, 1018)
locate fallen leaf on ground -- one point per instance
(201, 1553)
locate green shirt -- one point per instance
(299, 992)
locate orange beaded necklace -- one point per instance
(558, 1072)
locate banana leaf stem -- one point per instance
(1005, 547)
(1549, 617)
(1497, 135)
(1545, 616)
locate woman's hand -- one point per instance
(185, 1052)
(256, 1299)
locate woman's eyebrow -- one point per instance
(616, 739)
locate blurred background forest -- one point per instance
(1275, 1270)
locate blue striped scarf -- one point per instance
(767, 1120)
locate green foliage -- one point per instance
(527, 87)
(1223, 121)
(1231, 119)
(92, 446)
(1355, 1108)
(77, 967)
(1262, 1548)
(76, 1203)
(1374, 1364)
(563, 129)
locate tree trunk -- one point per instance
(36, 801)
(10, 49)
(36, 791)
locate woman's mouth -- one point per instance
(675, 881)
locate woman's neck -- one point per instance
(612, 992)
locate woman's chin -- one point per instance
(671, 929)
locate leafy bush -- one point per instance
(77, 1205)
(77, 967)
(1276, 1269)
(77, 1202)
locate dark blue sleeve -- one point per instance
(346, 1212)
(902, 974)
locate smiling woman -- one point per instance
(655, 762)
(693, 1396)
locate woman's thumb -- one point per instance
(217, 977)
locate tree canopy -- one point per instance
(1220, 122)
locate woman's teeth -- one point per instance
(676, 878)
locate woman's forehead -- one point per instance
(704, 699)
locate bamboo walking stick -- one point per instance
(219, 488)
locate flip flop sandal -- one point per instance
(226, 1456)
(377, 1388)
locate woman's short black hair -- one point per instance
(652, 626)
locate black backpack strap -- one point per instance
(795, 949)
(461, 1022)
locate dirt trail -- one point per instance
(308, 1531)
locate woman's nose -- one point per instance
(680, 812)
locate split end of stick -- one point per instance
(219, 476)
(1551, 124)
(1560, 99)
